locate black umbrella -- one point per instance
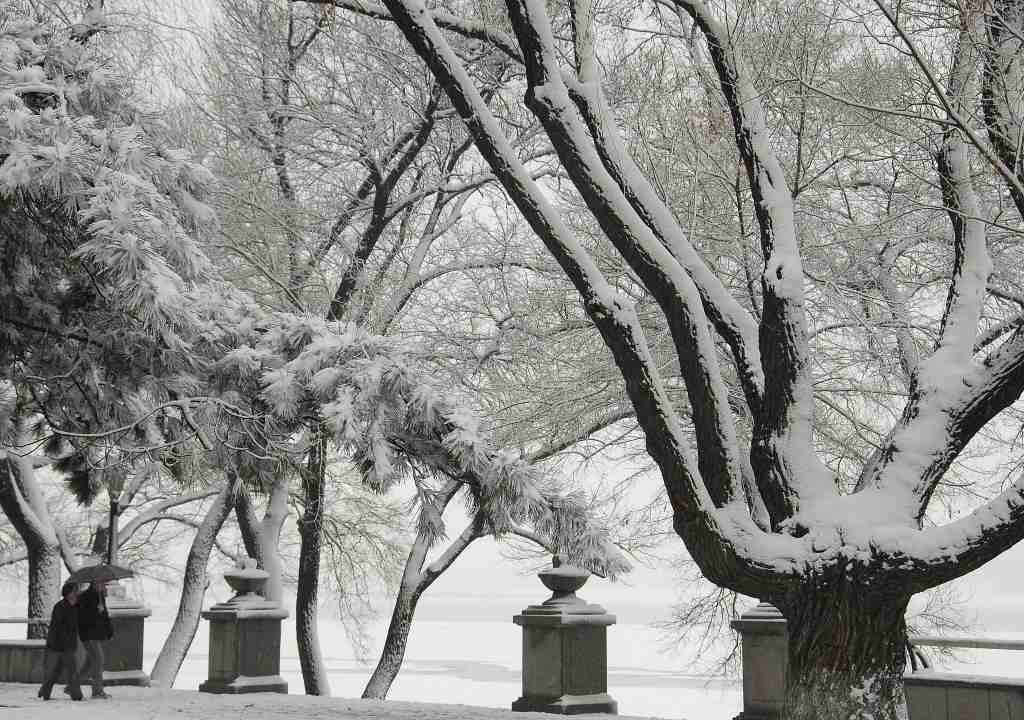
(100, 573)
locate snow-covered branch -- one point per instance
(474, 530)
(782, 436)
(613, 315)
(1001, 84)
(549, 99)
(939, 554)
(442, 18)
(971, 263)
(950, 395)
(730, 319)
(157, 509)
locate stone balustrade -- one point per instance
(24, 661)
(930, 695)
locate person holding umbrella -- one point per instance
(61, 643)
(94, 628)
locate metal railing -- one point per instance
(31, 622)
(22, 621)
(915, 642)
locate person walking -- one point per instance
(94, 628)
(61, 644)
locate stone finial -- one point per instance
(563, 581)
(246, 579)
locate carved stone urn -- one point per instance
(245, 637)
(565, 649)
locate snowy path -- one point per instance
(19, 702)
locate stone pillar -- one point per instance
(245, 637)
(122, 654)
(765, 658)
(565, 651)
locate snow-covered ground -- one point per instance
(479, 663)
(20, 702)
(475, 662)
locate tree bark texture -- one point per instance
(194, 584)
(43, 586)
(314, 674)
(846, 652)
(22, 501)
(397, 639)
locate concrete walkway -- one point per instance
(19, 702)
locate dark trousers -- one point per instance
(56, 662)
(93, 667)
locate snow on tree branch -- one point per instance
(130, 204)
(788, 470)
(548, 98)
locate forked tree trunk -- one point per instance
(314, 675)
(415, 581)
(194, 585)
(846, 653)
(263, 537)
(393, 653)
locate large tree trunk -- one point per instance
(846, 652)
(393, 654)
(23, 502)
(194, 585)
(43, 586)
(314, 675)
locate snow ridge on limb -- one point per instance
(788, 471)
(971, 262)
(673, 288)
(951, 395)
(725, 544)
(730, 319)
(939, 554)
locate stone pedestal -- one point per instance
(122, 654)
(765, 658)
(565, 652)
(245, 638)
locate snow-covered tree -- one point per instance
(96, 241)
(841, 562)
(337, 197)
(156, 359)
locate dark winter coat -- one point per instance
(93, 619)
(63, 633)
